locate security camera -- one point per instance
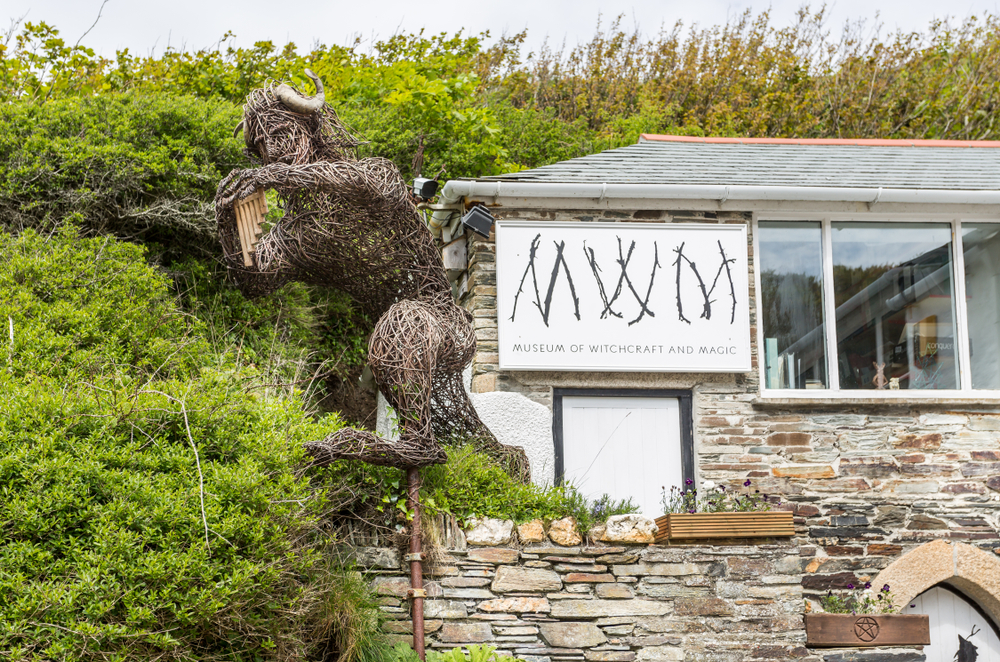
(424, 188)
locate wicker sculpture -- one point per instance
(350, 224)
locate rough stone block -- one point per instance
(609, 656)
(495, 555)
(511, 579)
(789, 439)
(382, 558)
(603, 608)
(516, 630)
(702, 607)
(614, 591)
(629, 528)
(943, 419)
(660, 654)
(489, 532)
(406, 627)
(564, 532)
(532, 531)
(465, 633)
(464, 582)
(586, 577)
(657, 569)
(399, 586)
(571, 635)
(467, 593)
(444, 609)
(812, 471)
(516, 605)
(925, 442)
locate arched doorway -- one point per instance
(960, 630)
(965, 568)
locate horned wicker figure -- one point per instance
(350, 224)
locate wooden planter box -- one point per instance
(685, 526)
(856, 631)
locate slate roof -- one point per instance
(891, 164)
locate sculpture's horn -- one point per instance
(239, 127)
(298, 103)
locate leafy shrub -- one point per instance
(470, 484)
(859, 600)
(717, 499)
(151, 505)
(133, 165)
(484, 653)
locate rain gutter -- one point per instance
(457, 189)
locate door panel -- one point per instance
(953, 616)
(622, 446)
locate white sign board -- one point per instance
(622, 297)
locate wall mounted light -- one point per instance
(479, 221)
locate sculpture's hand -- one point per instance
(238, 184)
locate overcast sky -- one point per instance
(145, 25)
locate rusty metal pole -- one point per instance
(417, 593)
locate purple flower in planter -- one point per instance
(868, 584)
(850, 586)
(692, 511)
(688, 481)
(747, 483)
(885, 588)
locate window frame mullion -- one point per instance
(829, 307)
(962, 339)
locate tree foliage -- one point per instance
(467, 106)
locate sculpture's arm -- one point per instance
(363, 182)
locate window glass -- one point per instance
(791, 281)
(981, 246)
(892, 286)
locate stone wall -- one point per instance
(867, 480)
(550, 603)
(609, 604)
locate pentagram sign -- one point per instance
(866, 628)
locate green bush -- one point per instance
(138, 166)
(484, 653)
(470, 484)
(151, 504)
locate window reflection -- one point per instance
(791, 280)
(895, 310)
(981, 246)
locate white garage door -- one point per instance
(953, 619)
(622, 446)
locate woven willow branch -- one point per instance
(350, 224)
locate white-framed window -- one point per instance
(878, 307)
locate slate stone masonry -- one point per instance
(692, 603)
(611, 604)
(868, 481)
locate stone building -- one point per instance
(820, 318)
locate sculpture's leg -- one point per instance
(401, 353)
(454, 417)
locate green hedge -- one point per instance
(151, 505)
(139, 166)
